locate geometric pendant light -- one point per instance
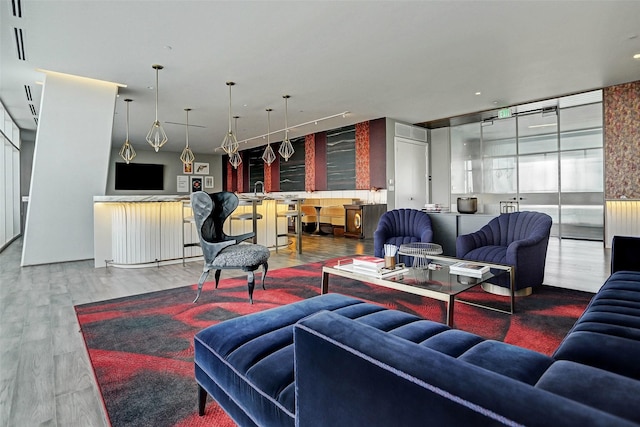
(127, 152)
(187, 155)
(156, 136)
(235, 159)
(230, 142)
(268, 156)
(286, 149)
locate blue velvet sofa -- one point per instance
(333, 360)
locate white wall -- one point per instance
(70, 164)
(172, 168)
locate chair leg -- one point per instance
(202, 400)
(203, 277)
(265, 267)
(251, 283)
(218, 277)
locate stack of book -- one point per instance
(368, 264)
(468, 269)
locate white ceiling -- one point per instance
(414, 61)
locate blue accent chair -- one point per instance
(400, 226)
(519, 239)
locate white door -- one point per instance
(411, 173)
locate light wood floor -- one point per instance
(45, 375)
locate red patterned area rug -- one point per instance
(141, 347)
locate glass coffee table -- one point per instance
(432, 281)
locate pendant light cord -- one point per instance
(187, 128)
(156, 94)
(229, 107)
(127, 121)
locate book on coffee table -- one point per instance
(468, 269)
(380, 273)
(368, 262)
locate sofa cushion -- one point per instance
(514, 362)
(593, 387)
(606, 335)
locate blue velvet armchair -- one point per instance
(519, 239)
(400, 226)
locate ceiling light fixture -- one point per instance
(636, 56)
(544, 125)
(127, 152)
(156, 136)
(286, 148)
(300, 125)
(187, 155)
(235, 158)
(268, 156)
(230, 142)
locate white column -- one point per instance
(70, 166)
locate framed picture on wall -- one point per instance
(196, 183)
(187, 168)
(201, 168)
(183, 184)
(208, 182)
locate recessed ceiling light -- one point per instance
(478, 93)
(636, 56)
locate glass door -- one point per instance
(547, 158)
(499, 166)
(538, 165)
(582, 173)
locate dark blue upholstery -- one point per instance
(400, 226)
(519, 239)
(333, 360)
(624, 255)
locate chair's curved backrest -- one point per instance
(509, 227)
(210, 212)
(399, 226)
(405, 222)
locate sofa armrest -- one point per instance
(624, 253)
(348, 373)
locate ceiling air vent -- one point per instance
(35, 119)
(27, 90)
(33, 110)
(17, 8)
(19, 43)
(411, 132)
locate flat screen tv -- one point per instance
(139, 176)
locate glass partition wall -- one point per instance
(547, 157)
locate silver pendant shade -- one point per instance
(235, 159)
(230, 142)
(187, 155)
(127, 152)
(268, 156)
(286, 149)
(156, 136)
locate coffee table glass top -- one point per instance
(436, 278)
